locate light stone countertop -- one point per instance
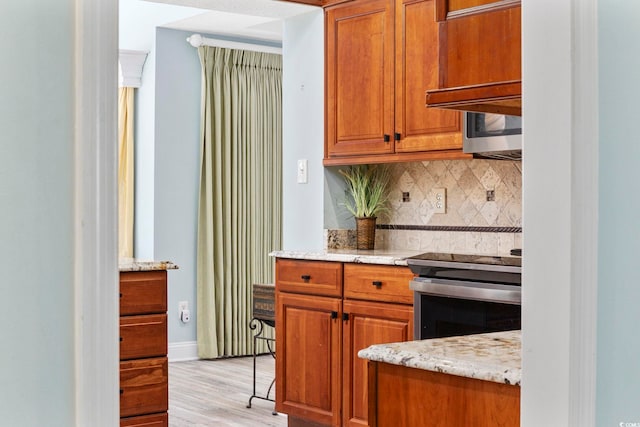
(135, 264)
(490, 357)
(386, 257)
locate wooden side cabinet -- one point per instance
(144, 387)
(320, 381)
(409, 397)
(381, 55)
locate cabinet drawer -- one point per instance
(144, 387)
(378, 283)
(143, 336)
(155, 420)
(309, 277)
(143, 292)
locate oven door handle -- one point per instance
(490, 292)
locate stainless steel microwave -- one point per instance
(492, 136)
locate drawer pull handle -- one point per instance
(305, 277)
(377, 284)
(334, 314)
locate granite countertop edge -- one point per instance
(134, 264)
(345, 255)
(490, 357)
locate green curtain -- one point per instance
(240, 207)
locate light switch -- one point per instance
(303, 171)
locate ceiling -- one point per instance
(256, 19)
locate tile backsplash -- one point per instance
(467, 183)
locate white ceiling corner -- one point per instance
(258, 19)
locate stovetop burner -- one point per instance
(467, 258)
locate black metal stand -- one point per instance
(258, 326)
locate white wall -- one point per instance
(303, 130)
(37, 213)
(618, 380)
(138, 22)
(177, 171)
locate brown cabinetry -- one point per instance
(480, 56)
(408, 397)
(144, 387)
(381, 55)
(319, 377)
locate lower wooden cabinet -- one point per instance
(368, 323)
(320, 380)
(144, 385)
(308, 333)
(144, 388)
(156, 420)
(409, 397)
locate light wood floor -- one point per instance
(216, 392)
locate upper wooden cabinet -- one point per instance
(480, 56)
(381, 55)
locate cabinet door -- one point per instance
(384, 283)
(144, 387)
(420, 128)
(368, 323)
(143, 336)
(155, 420)
(309, 277)
(308, 339)
(143, 292)
(360, 78)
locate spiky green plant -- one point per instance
(367, 185)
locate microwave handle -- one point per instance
(472, 291)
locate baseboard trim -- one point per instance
(183, 351)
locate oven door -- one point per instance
(456, 308)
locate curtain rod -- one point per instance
(197, 40)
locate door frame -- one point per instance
(95, 241)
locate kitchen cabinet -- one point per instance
(381, 56)
(408, 397)
(319, 377)
(480, 56)
(144, 387)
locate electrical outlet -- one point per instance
(182, 305)
(440, 200)
(183, 311)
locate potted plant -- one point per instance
(367, 186)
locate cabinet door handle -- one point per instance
(121, 339)
(377, 284)
(397, 136)
(345, 316)
(387, 138)
(334, 314)
(305, 277)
